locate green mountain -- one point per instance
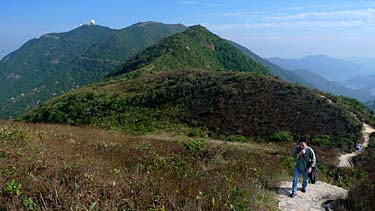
(191, 80)
(57, 62)
(126, 42)
(194, 48)
(220, 102)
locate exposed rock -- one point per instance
(313, 200)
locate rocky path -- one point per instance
(313, 200)
(320, 193)
(345, 159)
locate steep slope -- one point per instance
(194, 48)
(57, 62)
(330, 68)
(43, 60)
(275, 70)
(218, 101)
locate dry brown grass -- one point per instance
(83, 168)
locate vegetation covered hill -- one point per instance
(57, 62)
(127, 42)
(194, 48)
(44, 59)
(220, 103)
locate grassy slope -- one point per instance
(44, 166)
(220, 102)
(61, 167)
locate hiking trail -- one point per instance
(319, 195)
(345, 159)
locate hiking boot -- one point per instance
(303, 190)
(293, 194)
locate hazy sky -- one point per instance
(284, 28)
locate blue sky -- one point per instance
(284, 28)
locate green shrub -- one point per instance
(282, 136)
(238, 199)
(196, 132)
(236, 138)
(13, 188)
(28, 203)
(321, 140)
(195, 145)
(14, 133)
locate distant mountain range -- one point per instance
(321, 83)
(337, 76)
(330, 68)
(369, 63)
(199, 80)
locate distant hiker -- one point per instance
(305, 161)
(358, 147)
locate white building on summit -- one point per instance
(91, 23)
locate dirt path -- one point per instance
(345, 159)
(316, 198)
(319, 194)
(313, 200)
(264, 147)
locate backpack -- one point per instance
(312, 174)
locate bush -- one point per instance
(282, 136)
(195, 145)
(13, 188)
(196, 132)
(321, 140)
(236, 138)
(14, 133)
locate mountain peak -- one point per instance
(145, 23)
(196, 47)
(198, 28)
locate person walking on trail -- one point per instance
(358, 147)
(305, 161)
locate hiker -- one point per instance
(305, 161)
(358, 147)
